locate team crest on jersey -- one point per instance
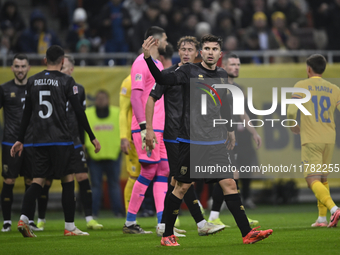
(222, 80)
(124, 91)
(184, 170)
(75, 90)
(200, 77)
(12, 94)
(138, 77)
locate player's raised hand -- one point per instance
(96, 145)
(257, 140)
(150, 139)
(295, 130)
(148, 43)
(230, 140)
(125, 146)
(17, 147)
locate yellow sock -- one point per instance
(128, 191)
(322, 208)
(322, 194)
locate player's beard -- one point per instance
(232, 76)
(20, 80)
(161, 51)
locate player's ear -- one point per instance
(45, 61)
(196, 54)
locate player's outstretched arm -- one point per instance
(291, 114)
(252, 130)
(150, 137)
(160, 78)
(82, 120)
(124, 106)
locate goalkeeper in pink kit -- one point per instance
(154, 164)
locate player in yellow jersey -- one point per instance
(126, 143)
(318, 135)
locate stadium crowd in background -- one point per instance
(118, 25)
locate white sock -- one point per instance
(70, 226)
(334, 209)
(199, 203)
(7, 221)
(322, 219)
(201, 223)
(130, 223)
(161, 226)
(41, 220)
(214, 215)
(24, 218)
(88, 218)
(30, 221)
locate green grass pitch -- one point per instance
(291, 224)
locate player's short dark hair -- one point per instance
(189, 39)
(20, 56)
(211, 38)
(169, 51)
(70, 58)
(230, 55)
(154, 30)
(54, 55)
(103, 91)
(317, 62)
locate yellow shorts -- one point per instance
(132, 163)
(316, 158)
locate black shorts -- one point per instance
(80, 164)
(13, 167)
(212, 154)
(172, 152)
(53, 161)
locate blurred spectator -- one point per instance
(261, 29)
(279, 30)
(250, 9)
(150, 18)
(225, 25)
(166, 11)
(8, 38)
(84, 46)
(38, 38)
(78, 30)
(136, 9)
(10, 14)
(230, 44)
(190, 25)
(294, 17)
(319, 15)
(175, 29)
(104, 121)
(333, 26)
(115, 20)
(223, 6)
(252, 43)
(202, 28)
(93, 7)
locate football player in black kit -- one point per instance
(81, 170)
(188, 47)
(12, 99)
(45, 104)
(202, 133)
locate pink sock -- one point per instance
(139, 189)
(160, 187)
